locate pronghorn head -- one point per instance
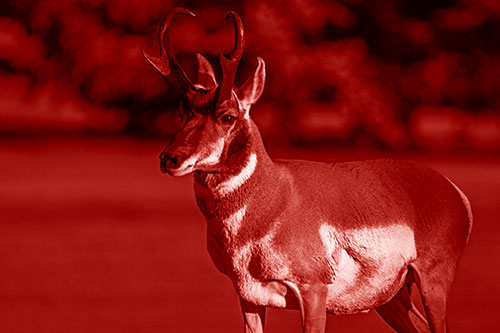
(213, 112)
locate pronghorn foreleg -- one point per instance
(314, 308)
(254, 317)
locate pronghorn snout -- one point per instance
(175, 163)
(168, 161)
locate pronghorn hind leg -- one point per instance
(434, 285)
(402, 314)
(254, 317)
(314, 308)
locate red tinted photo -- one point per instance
(249, 166)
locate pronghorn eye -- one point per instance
(228, 119)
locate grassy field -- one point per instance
(94, 239)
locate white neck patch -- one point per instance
(235, 182)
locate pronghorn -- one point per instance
(321, 238)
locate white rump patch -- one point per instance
(234, 182)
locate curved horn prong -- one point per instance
(230, 64)
(165, 22)
(175, 66)
(239, 42)
(167, 64)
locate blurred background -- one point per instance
(94, 239)
(385, 73)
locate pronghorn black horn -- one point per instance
(230, 64)
(168, 66)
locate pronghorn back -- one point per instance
(318, 237)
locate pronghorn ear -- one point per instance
(206, 76)
(252, 89)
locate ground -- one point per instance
(93, 238)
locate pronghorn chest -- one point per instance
(242, 245)
(254, 266)
(241, 221)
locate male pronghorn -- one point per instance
(338, 238)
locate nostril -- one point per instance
(169, 161)
(172, 160)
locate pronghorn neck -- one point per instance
(245, 158)
(246, 169)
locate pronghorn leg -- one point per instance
(314, 308)
(402, 314)
(434, 285)
(254, 317)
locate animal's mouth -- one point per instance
(181, 170)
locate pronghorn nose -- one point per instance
(168, 161)
(172, 161)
